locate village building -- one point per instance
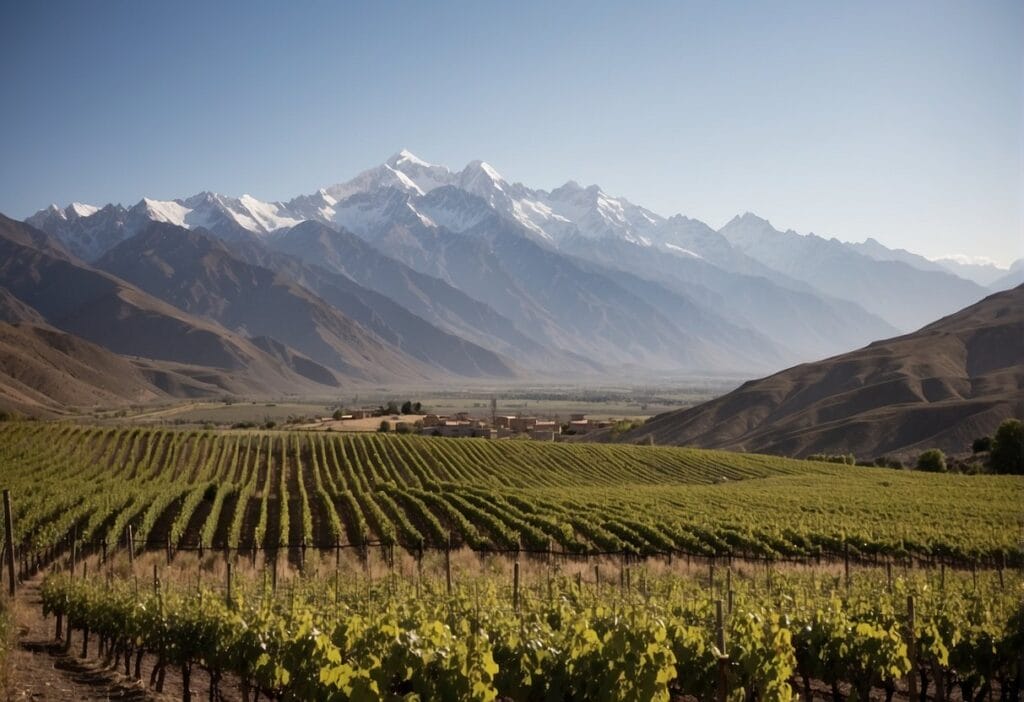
(522, 424)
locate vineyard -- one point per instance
(309, 565)
(275, 491)
(637, 635)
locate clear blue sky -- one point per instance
(899, 120)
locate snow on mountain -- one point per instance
(401, 172)
(896, 291)
(168, 211)
(86, 231)
(426, 176)
(81, 210)
(978, 269)
(407, 186)
(598, 215)
(89, 232)
(453, 208)
(369, 213)
(552, 216)
(210, 210)
(268, 216)
(407, 189)
(685, 252)
(318, 206)
(73, 211)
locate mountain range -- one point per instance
(412, 272)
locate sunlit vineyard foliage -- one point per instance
(240, 490)
(642, 638)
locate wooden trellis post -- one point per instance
(515, 587)
(911, 650)
(723, 659)
(9, 543)
(448, 564)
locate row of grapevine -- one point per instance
(237, 490)
(558, 639)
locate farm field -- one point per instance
(623, 402)
(613, 631)
(179, 489)
(311, 565)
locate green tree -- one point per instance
(407, 407)
(981, 444)
(932, 461)
(385, 426)
(1008, 448)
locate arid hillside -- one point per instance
(941, 386)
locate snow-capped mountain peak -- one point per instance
(79, 209)
(482, 180)
(407, 157)
(474, 167)
(73, 211)
(268, 216)
(216, 212)
(170, 211)
(407, 188)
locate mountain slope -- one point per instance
(984, 274)
(685, 254)
(551, 296)
(13, 310)
(199, 274)
(100, 308)
(42, 368)
(872, 248)
(799, 324)
(899, 293)
(47, 371)
(432, 299)
(555, 299)
(1012, 279)
(744, 298)
(942, 385)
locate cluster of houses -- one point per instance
(506, 426)
(499, 426)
